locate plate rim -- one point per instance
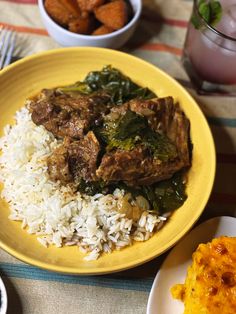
(4, 298)
(141, 260)
(155, 281)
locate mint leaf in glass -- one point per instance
(209, 10)
(205, 11)
(216, 12)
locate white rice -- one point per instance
(53, 212)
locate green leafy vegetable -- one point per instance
(92, 188)
(113, 82)
(79, 87)
(132, 129)
(210, 11)
(124, 132)
(119, 86)
(131, 124)
(159, 145)
(126, 144)
(149, 193)
(170, 194)
(164, 196)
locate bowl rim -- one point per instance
(141, 260)
(66, 32)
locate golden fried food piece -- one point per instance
(72, 6)
(210, 286)
(89, 5)
(114, 14)
(102, 30)
(82, 25)
(62, 11)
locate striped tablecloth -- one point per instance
(159, 40)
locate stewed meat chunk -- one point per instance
(135, 169)
(58, 167)
(140, 142)
(83, 156)
(68, 115)
(75, 160)
(136, 166)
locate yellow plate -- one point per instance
(64, 66)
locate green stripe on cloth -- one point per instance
(115, 282)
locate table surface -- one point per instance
(159, 39)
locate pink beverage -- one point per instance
(210, 52)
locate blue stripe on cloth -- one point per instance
(34, 273)
(226, 122)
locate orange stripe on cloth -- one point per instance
(173, 22)
(25, 29)
(161, 47)
(157, 19)
(148, 46)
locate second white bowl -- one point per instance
(69, 39)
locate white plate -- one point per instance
(174, 268)
(3, 298)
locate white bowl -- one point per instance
(69, 39)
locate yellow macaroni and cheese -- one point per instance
(210, 286)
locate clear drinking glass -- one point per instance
(209, 56)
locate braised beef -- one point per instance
(68, 115)
(164, 116)
(135, 166)
(57, 162)
(74, 160)
(74, 117)
(83, 156)
(168, 119)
